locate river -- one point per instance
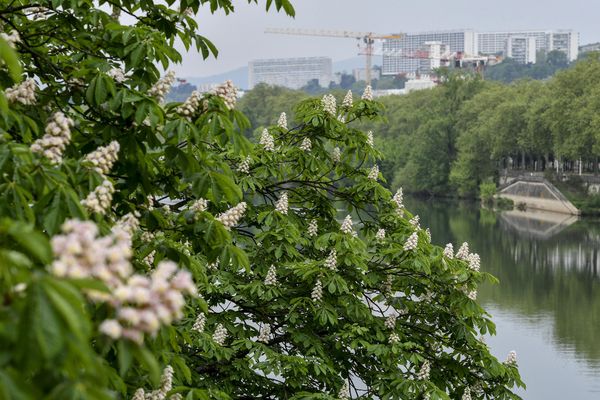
(547, 304)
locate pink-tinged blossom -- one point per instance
(57, 136)
(99, 200)
(23, 92)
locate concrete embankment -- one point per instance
(539, 194)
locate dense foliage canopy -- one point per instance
(137, 236)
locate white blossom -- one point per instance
(414, 221)
(387, 285)
(368, 93)
(370, 140)
(346, 226)
(139, 394)
(244, 166)
(199, 206)
(200, 323)
(449, 251)
(328, 103)
(374, 173)
(344, 393)
(474, 261)
(341, 118)
(232, 217)
(331, 260)
(306, 145)
(99, 200)
(190, 106)
(166, 384)
(271, 278)
(424, 372)
(380, 235)
(466, 394)
(149, 259)
(103, 158)
(111, 328)
(412, 242)
(264, 334)
(220, 335)
(336, 155)
(313, 228)
(347, 102)
(390, 321)
(117, 74)
(428, 234)
(129, 223)
(463, 252)
(282, 121)
(160, 89)
(23, 92)
(267, 141)
(398, 199)
(227, 92)
(317, 293)
(394, 338)
(511, 358)
(472, 294)
(57, 135)
(281, 205)
(11, 38)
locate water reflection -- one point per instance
(547, 305)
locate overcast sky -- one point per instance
(240, 36)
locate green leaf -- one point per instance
(10, 59)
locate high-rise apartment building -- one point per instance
(398, 55)
(521, 49)
(405, 61)
(292, 73)
(566, 41)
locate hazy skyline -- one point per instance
(240, 36)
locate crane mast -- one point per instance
(368, 38)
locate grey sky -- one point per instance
(240, 36)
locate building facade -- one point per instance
(521, 49)
(399, 54)
(566, 41)
(292, 73)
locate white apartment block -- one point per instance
(399, 58)
(292, 73)
(521, 49)
(405, 61)
(566, 41)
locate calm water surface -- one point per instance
(547, 304)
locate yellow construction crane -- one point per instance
(368, 38)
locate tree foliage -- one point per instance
(292, 304)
